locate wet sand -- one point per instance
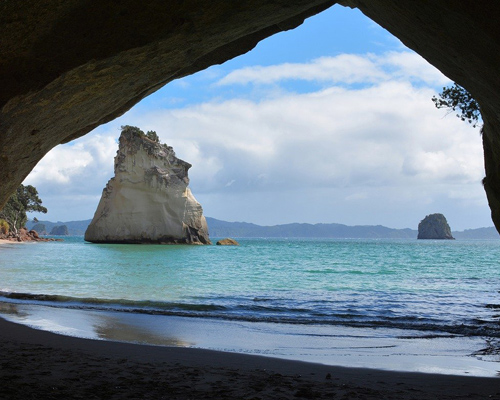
(42, 365)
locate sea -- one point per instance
(396, 304)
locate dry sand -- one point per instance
(42, 365)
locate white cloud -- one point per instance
(408, 65)
(386, 134)
(76, 167)
(345, 69)
(60, 165)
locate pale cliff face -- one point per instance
(148, 200)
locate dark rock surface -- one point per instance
(69, 66)
(434, 226)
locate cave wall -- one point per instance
(67, 66)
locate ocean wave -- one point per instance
(265, 310)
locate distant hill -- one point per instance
(218, 228)
(479, 233)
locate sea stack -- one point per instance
(434, 226)
(148, 199)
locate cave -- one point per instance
(68, 67)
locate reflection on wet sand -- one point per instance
(111, 328)
(91, 324)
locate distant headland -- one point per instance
(222, 229)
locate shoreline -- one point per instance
(55, 366)
(387, 349)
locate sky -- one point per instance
(329, 123)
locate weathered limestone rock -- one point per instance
(227, 242)
(434, 226)
(148, 200)
(69, 66)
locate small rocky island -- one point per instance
(227, 242)
(434, 226)
(60, 230)
(148, 200)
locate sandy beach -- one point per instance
(4, 241)
(41, 365)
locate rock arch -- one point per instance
(69, 66)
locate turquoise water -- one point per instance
(433, 287)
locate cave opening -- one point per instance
(329, 122)
(331, 135)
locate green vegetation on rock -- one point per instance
(153, 136)
(4, 227)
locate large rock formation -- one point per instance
(148, 200)
(69, 66)
(434, 226)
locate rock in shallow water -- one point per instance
(227, 242)
(434, 226)
(148, 200)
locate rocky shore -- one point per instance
(25, 235)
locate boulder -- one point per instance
(434, 226)
(148, 199)
(227, 242)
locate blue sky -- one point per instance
(330, 122)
